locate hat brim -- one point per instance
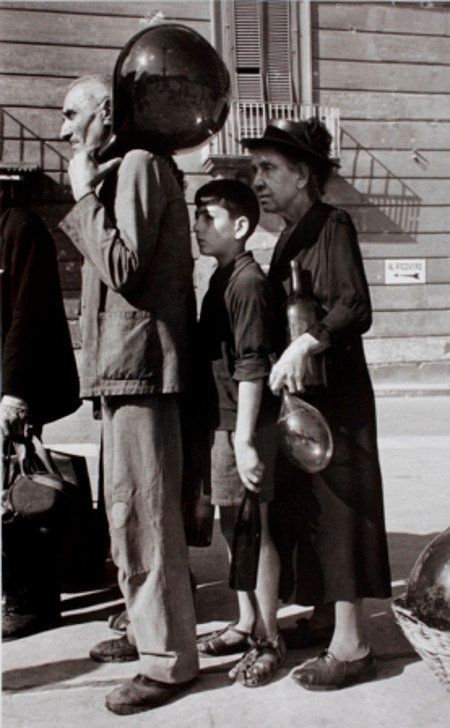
(297, 147)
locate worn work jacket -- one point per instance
(137, 295)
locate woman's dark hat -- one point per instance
(288, 135)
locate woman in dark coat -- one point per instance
(38, 362)
(39, 385)
(334, 517)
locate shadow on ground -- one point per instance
(47, 673)
(215, 602)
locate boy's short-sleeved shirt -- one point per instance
(236, 339)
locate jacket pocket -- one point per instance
(129, 347)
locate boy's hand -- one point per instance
(250, 467)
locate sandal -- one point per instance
(213, 644)
(259, 665)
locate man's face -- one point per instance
(214, 229)
(276, 184)
(86, 121)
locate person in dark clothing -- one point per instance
(235, 336)
(334, 517)
(39, 385)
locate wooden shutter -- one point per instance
(262, 51)
(248, 50)
(278, 52)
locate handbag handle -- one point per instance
(7, 464)
(39, 450)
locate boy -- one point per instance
(235, 334)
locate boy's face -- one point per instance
(214, 229)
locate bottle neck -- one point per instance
(296, 278)
(250, 502)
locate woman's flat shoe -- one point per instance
(214, 644)
(327, 673)
(259, 665)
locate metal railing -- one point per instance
(249, 118)
(14, 145)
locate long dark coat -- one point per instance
(335, 517)
(38, 361)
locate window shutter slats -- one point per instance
(248, 40)
(262, 46)
(248, 50)
(249, 86)
(278, 52)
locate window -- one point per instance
(262, 51)
(261, 45)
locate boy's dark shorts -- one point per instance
(227, 488)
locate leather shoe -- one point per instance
(327, 673)
(142, 693)
(119, 650)
(303, 635)
(17, 624)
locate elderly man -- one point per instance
(130, 223)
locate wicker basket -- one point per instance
(433, 645)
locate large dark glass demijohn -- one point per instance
(428, 592)
(170, 91)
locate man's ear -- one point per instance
(303, 176)
(106, 110)
(241, 227)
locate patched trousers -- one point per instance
(142, 461)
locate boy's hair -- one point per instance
(235, 196)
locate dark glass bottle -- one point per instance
(301, 312)
(198, 513)
(246, 544)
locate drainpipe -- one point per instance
(306, 51)
(213, 23)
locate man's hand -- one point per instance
(13, 417)
(250, 467)
(85, 174)
(289, 371)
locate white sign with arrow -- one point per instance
(406, 270)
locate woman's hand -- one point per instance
(289, 371)
(250, 467)
(13, 417)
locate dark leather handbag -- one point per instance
(36, 490)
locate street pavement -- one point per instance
(50, 682)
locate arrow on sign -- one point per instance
(406, 275)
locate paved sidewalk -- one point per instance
(50, 682)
